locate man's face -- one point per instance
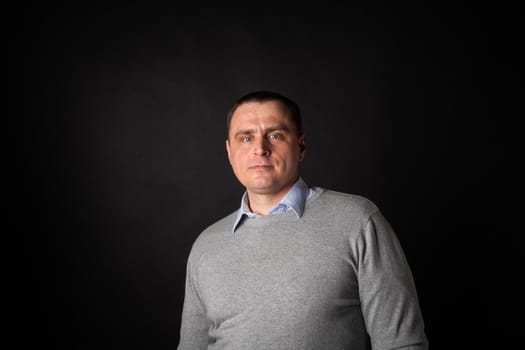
(264, 148)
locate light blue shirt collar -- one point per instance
(295, 200)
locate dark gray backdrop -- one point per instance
(124, 127)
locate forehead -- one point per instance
(259, 112)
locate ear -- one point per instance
(228, 150)
(302, 147)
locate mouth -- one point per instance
(260, 167)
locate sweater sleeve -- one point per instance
(194, 324)
(389, 301)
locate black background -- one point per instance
(124, 161)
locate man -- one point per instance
(296, 267)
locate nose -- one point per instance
(261, 148)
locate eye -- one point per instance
(246, 139)
(276, 136)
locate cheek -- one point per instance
(287, 158)
(237, 158)
(291, 154)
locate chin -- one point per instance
(263, 186)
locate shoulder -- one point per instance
(214, 234)
(346, 204)
(348, 214)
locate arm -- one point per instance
(387, 291)
(194, 324)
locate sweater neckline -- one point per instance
(268, 219)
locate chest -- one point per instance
(297, 275)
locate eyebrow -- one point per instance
(279, 127)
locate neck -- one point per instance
(261, 203)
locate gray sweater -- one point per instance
(336, 278)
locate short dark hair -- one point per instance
(291, 108)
